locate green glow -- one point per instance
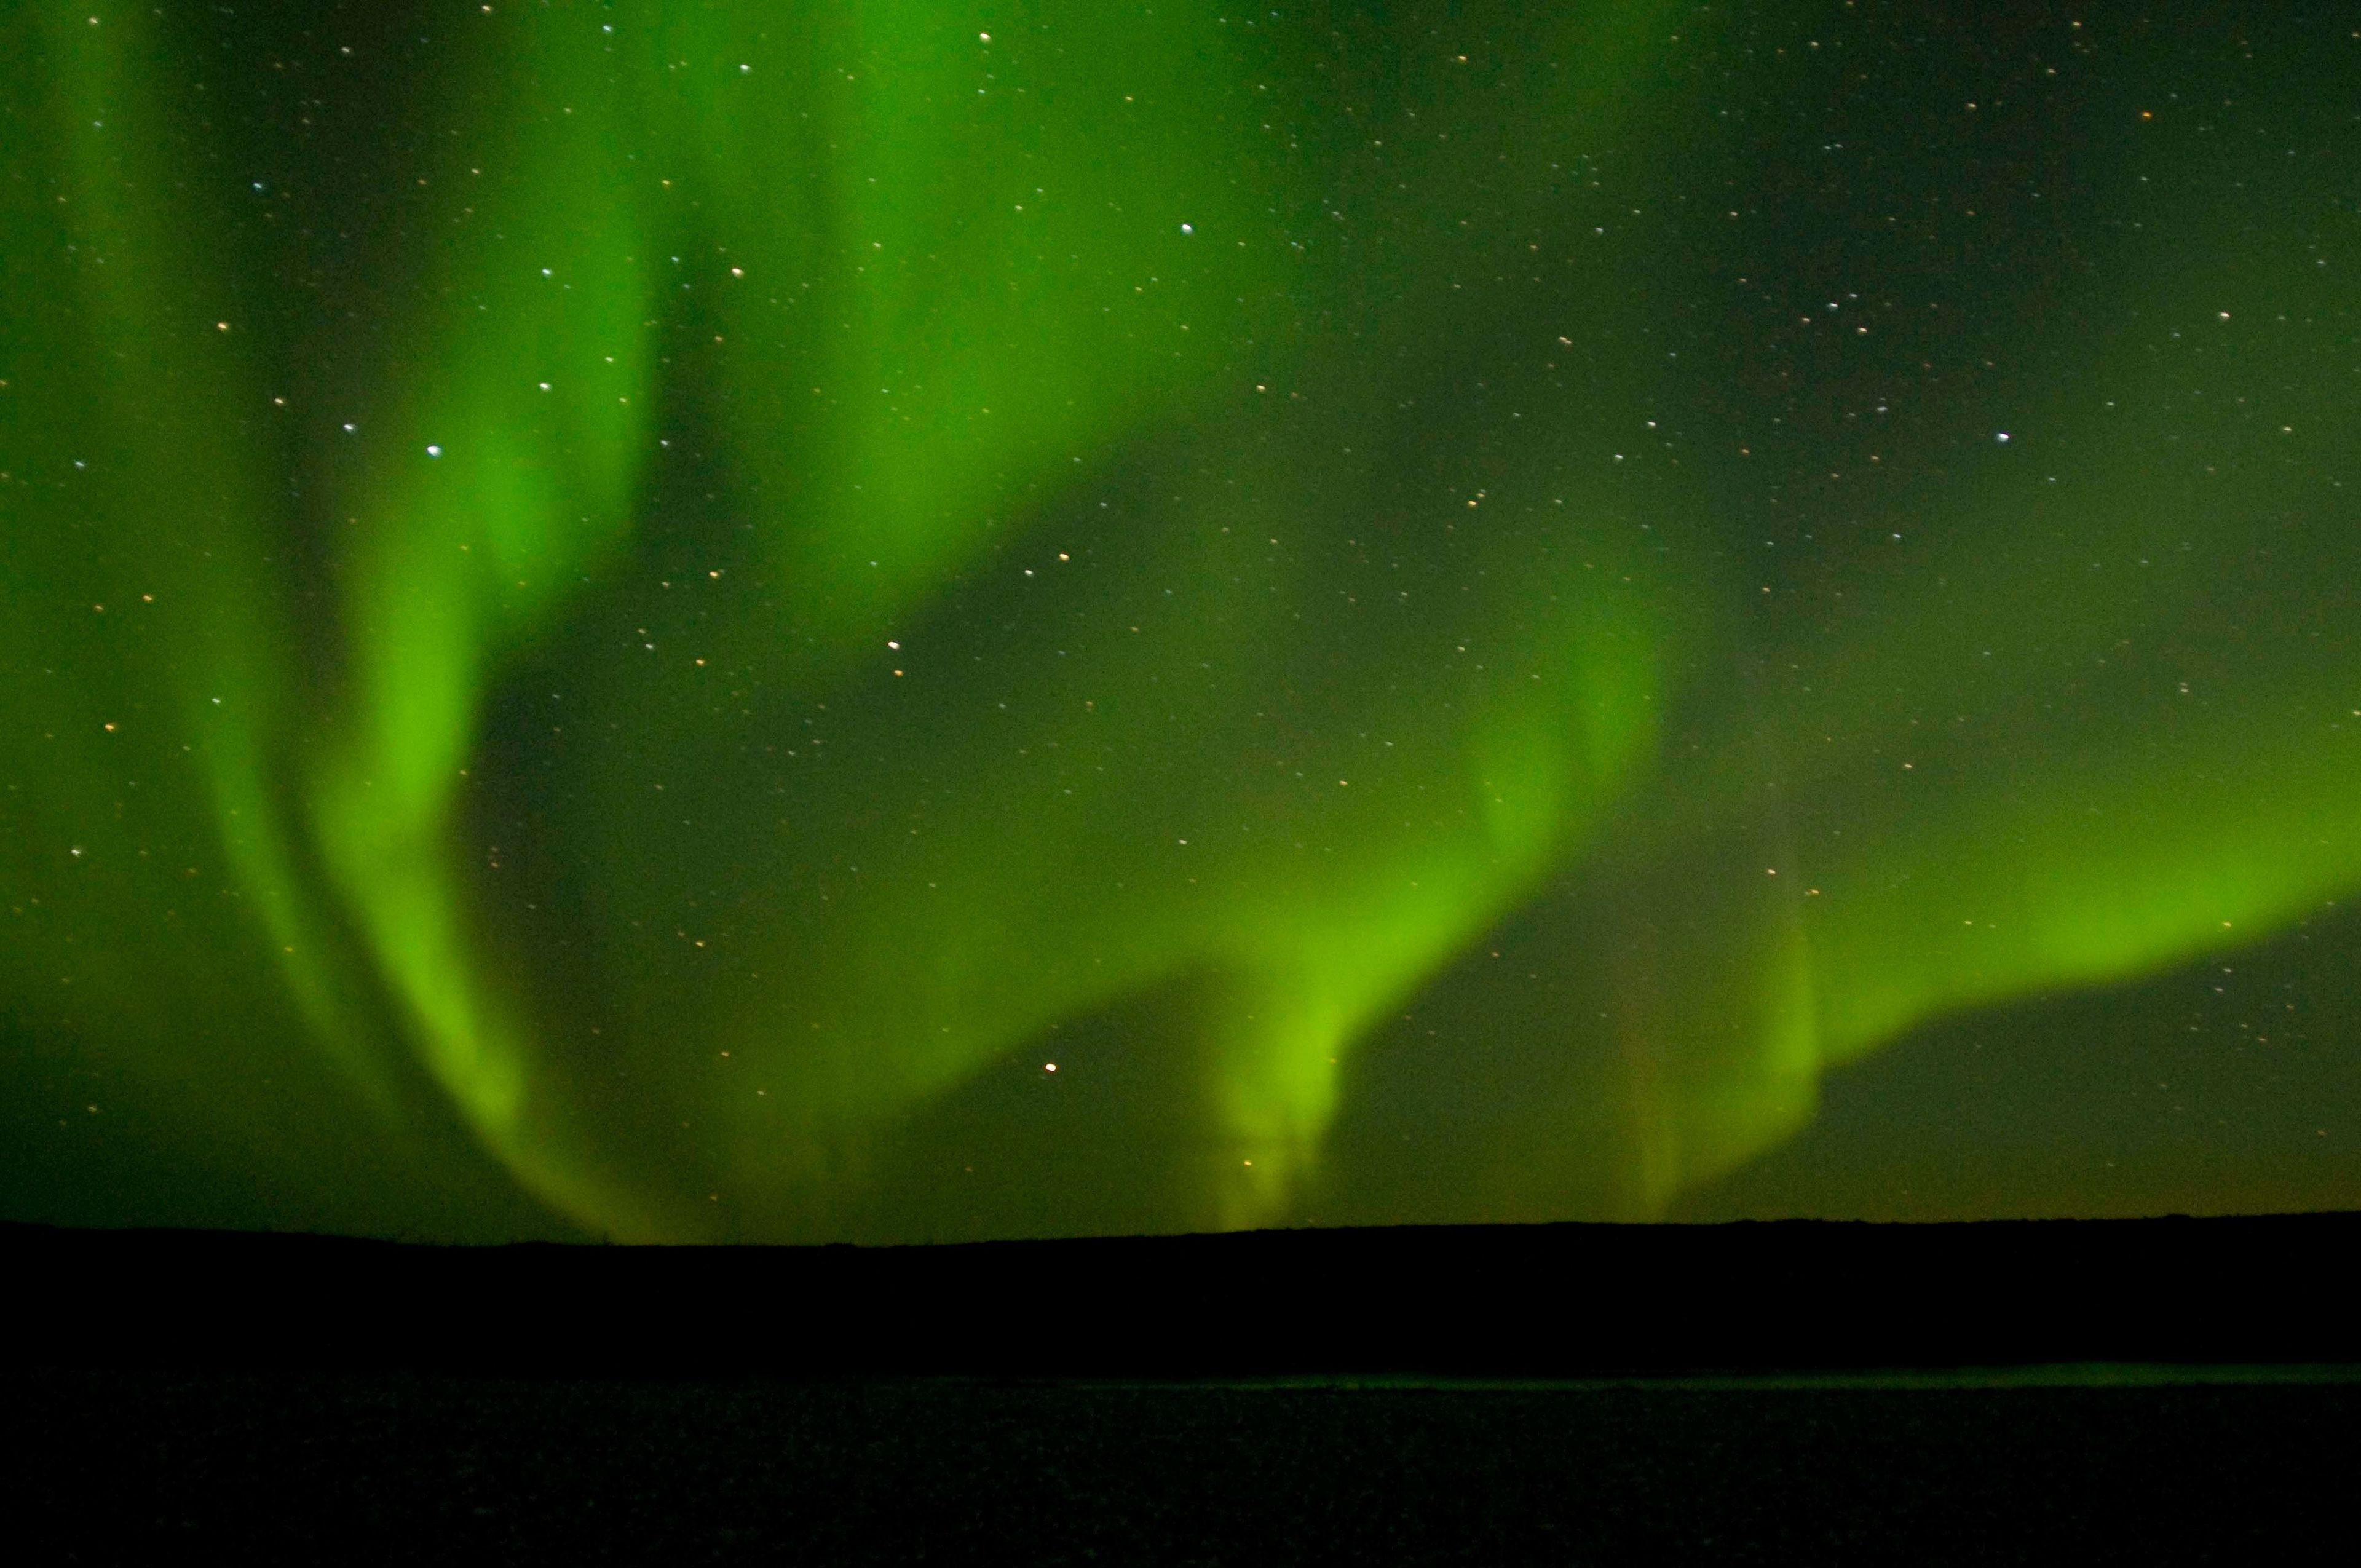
(787, 560)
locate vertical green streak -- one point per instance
(167, 517)
(854, 538)
(492, 483)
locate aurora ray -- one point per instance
(612, 616)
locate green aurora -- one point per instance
(626, 619)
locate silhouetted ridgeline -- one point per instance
(1540, 1300)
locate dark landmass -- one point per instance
(397, 1468)
(1527, 1301)
(1311, 1396)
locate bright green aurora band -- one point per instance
(626, 619)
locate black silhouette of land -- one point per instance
(2180, 1389)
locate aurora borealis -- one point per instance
(626, 620)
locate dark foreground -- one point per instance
(1560, 1393)
(400, 1468)
(1566, 1301)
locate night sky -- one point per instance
(796, 622)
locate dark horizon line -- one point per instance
(1565, 1300)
